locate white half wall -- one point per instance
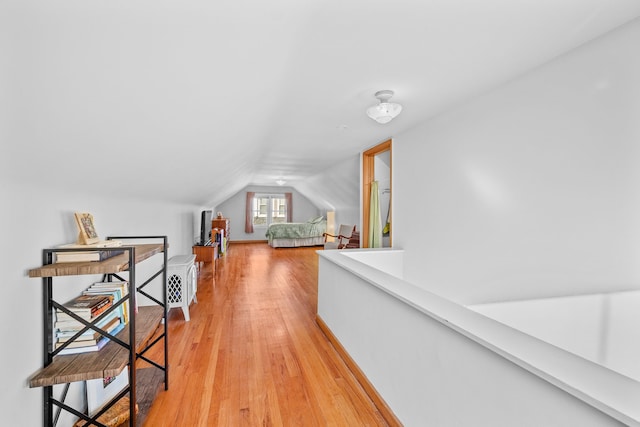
(533, 189)
(436, 363)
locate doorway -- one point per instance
(376, 166)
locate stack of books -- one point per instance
(90, 306)
(116, 291)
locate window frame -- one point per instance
(271, 197)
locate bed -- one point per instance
(295, 234)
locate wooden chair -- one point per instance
(354, 240)
(342, 238)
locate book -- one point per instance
(79, 344)
(86, 304)
(73, 325)
(113, 328)
(114, 292)
(100, 244)
(86, 349)
(86, 256)
(87, 315)
(93, 347)
(90, 335)
(122, 286)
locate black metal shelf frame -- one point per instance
(49, 305)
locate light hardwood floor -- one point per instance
(252, 353)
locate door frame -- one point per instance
(368, 175)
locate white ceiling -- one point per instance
(195, 99)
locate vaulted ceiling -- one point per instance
(195, 99)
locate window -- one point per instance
(268, 209)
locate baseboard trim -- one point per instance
(373, 394)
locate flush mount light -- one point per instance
(385, 111)
(281, 181)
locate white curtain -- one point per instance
(375, 223)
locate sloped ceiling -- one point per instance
(195, 99)
(337, 188)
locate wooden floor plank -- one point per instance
(253, 354)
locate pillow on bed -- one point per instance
(315, 219)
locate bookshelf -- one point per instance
(220, 224)
(146, 325)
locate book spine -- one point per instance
(95, 312)
(98, 311)
(76, 350)
(90, 348)
(86, 256)
(86, 304)
(73, 325)
(92, 339)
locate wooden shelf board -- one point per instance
(114, 264)
(149, 382)
(109, 361)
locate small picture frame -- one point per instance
(102, 390)
(87, 231)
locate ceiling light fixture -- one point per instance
(385, 111)
(281, 181)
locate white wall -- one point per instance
(532, 189)
(36, 218)
(337, 189)
(234, 209)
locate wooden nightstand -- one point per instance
(206, 254)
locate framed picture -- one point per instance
(87, 230)
(102, 390)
